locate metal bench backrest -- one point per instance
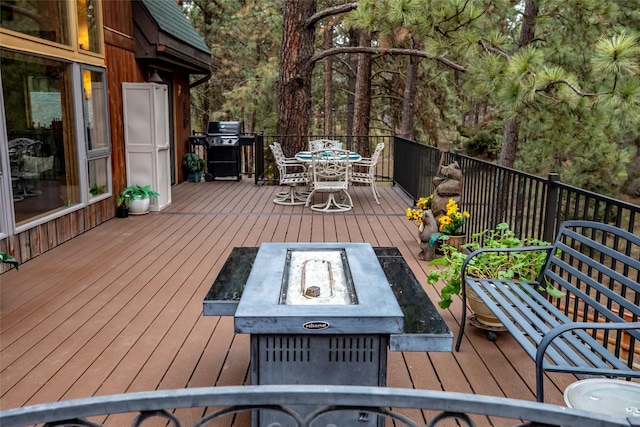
(598, 267)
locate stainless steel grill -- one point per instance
(223, 150)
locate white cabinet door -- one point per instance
(146, 137)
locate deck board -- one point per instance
(119, 308)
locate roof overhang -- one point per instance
(152, 44)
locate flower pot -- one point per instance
(122, 212)
(482, 312)
(457, 242)
(194, 176)
(138, 206)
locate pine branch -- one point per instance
(548, 86)
(330, 11)
(391, 51)
(491, 48)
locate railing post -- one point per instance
(258, 156)
(551, 209)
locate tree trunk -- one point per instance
(352, 62)
(294, 84)
(510, 136)
(327, 43)
(509, 142)
(362, 102)
(408, 100)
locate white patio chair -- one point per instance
(330, 173)
(28, 163)
(364, 171)
(322, 144)
(292, 174)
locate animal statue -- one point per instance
(428, 227)
(447, 186)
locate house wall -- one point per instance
(121, 65)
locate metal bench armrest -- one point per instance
(559, 330)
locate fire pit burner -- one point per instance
(317, 277)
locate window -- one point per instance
(88, 35)
(48, 20)
(96, 126)
(38, 106)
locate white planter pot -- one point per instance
(138, 206)
(482, 312)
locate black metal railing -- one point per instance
(400, 405)
(533, 206)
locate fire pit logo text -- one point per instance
(317, 325)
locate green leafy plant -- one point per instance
(193, 163)
(524, 266)
(6, 258)
(97, 189)
(134, 191)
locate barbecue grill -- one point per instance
(222, 147)
(223, 150)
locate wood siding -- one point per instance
(31, 243)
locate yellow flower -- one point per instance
(409, 213)
(454, 220)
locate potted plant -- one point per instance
(96, 190)
(522, 266)
(122, 206)
(194, 166)
(8, 259)
(451, 224)
(137, 198)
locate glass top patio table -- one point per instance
(305, 156)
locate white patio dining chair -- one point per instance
(292, 174)
(364, 171)
(330, 173)
(28, 163)
(322, 144)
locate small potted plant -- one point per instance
(524, 266)
(451, 224)
(194, 166)
(137, 198)
(96, 190)
(122, 206)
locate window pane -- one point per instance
(95, 109)
(47, 20)
(42, 142)
(98, 177)
(87, 25)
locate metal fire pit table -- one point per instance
(318, 313)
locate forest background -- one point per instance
(539, 85)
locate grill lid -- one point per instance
(224, 128)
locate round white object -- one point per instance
(612, 397)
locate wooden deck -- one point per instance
(119, 308)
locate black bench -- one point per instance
(597, 267)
